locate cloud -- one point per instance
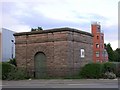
(22, 15)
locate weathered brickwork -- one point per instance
(61, 46)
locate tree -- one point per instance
(38, 29)
(32, 29)
(111, 54)
(117, 54)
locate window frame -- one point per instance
(97, 45)
(82, 53)
(97, 54)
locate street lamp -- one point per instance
(12, 48)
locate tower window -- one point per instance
(97, 45)
(97, 54)
(102, 37)
(97, 37)
(98, 28)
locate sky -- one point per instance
(22, 15)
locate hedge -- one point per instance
(100, 70)
(92, 71)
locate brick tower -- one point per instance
(99, 52)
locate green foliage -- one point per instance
(92, 70)
(109, 70)
(109, 67)
(6, 69)
(38, 29)
(117, 55)
(111, 54)
(12, 61)
(100, 70)
(33, 29)
(10, 72)
(17, 74)
(117, 70)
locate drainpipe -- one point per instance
(12, 48)
(26, 54)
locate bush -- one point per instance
(12, 61)
(109, 70)
(17, 74)
(109, 75)
(92, 71)
(10, 72)
(109, 67)
(117, 71)
(99, 70)
(6, 69)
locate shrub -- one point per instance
(100, 70)
(12, 61)
(109, 67)
(92, 71)
(109, 75)
(112, 70)
(17, 74)
(6, 69)
(118, 71)
(10, 72)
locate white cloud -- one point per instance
(71, 13)
(13, 24)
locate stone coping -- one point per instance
(52, 31)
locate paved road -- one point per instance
(57, 83)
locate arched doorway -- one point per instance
(40, 65)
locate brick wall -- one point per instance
(62, 49)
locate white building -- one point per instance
(7, 47)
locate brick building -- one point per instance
(99, 51)
(53, 52)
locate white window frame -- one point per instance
(97, 54)
(82, 53)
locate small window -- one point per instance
(98, 28)
(102, 37)
(104, 53)
(97, 45)
(82, 51)
(97, 37)
(97, 54)
(97, 60)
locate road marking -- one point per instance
(83, 84)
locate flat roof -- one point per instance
(52, 31)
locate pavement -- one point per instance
(61, 83)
